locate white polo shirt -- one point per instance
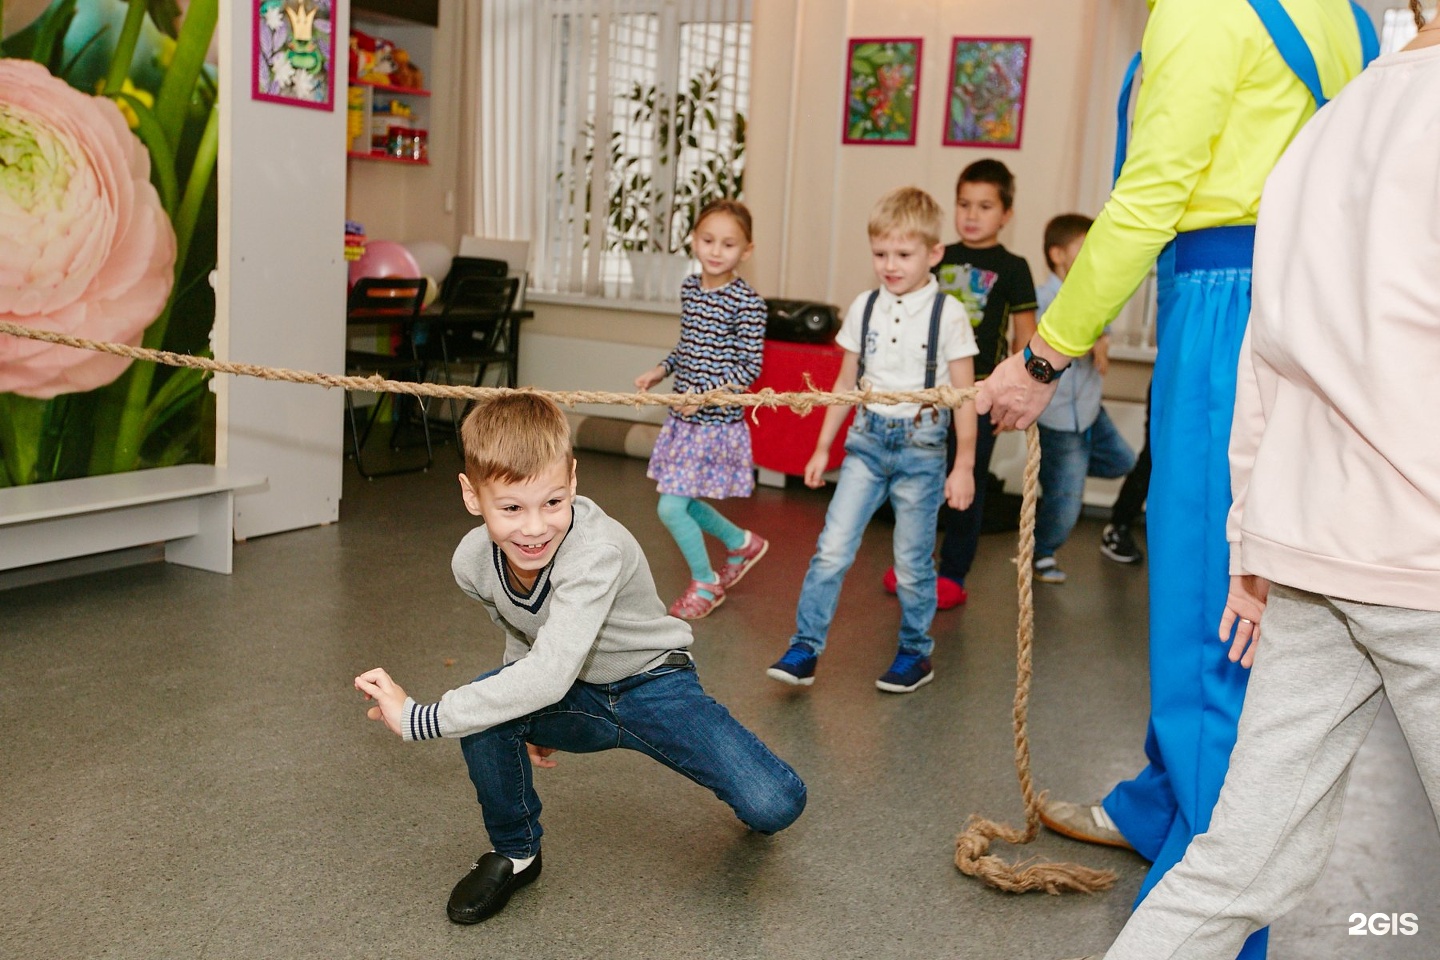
(899, 339)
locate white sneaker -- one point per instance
(1048, 571)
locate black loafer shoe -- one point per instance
(484, 891)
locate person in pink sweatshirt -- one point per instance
(1335, 527)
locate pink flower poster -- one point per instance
(883, 91)
(987, 92)
(112, 223)
(294, 53)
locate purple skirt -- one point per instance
(710, 460)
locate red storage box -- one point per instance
(781, 439)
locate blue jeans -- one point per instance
(901, 459)
(1066, 459)
(662, 713)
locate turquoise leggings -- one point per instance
(688, 520)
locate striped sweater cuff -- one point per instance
(421, 723)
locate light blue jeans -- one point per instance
(1067, 457)
(884, 457)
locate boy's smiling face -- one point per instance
(902, 261)
(528, 518)
(980, 214)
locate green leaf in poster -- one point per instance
(176, 90)
(175, 396)
(165, 14)
(162, 159)
(49, 44)
(125, 46)
(69, 66)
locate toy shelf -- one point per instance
(385, 158)
(386, 88)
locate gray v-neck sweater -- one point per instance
(592, 614)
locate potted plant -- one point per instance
(654, 195)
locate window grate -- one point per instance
(635, 116)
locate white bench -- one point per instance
(189, 508)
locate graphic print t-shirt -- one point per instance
(991, 284)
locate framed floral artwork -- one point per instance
(294, 53)
(882, 91)
(987, 92)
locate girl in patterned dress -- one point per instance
(705, 451)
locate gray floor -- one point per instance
(187, 772)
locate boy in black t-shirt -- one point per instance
(998, 293)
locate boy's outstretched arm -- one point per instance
(388, 695)
(960, 483)
(834, 417)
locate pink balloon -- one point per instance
(384, 258)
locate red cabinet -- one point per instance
(781, 439)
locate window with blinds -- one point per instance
(634, 117)
(1398, 28)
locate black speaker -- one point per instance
(801, 321)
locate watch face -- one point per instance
(1040, 369)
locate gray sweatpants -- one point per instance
(1319, 676)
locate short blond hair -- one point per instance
(908, 212)
(513, 438)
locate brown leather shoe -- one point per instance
(1080, 822)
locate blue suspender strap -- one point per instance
(1293, 49)
(932, 346)
(1369, 43)
(1122, 126)
(865, 332)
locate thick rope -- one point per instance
(801, 402)
(971, 846)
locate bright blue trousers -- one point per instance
(1195, 692)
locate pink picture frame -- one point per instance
(293, 58)
(882, 91)
(985, 103)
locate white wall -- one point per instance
(811, 195)
(280, 297)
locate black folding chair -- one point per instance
(394, 303)
(463, 268)
(477, 328)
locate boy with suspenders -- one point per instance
(905, 335)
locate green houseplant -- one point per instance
(655, 188)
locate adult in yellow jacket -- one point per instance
(1226, 84)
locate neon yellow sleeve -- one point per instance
(1192, 54)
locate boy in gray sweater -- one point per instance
(592, 659)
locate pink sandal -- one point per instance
(749, 554)
(694, 605)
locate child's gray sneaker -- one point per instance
(1048, 571)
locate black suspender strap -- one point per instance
(932, 348)
(865, 332)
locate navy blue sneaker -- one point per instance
(796, 667)
(907, 674)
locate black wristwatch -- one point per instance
(1039, 368)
